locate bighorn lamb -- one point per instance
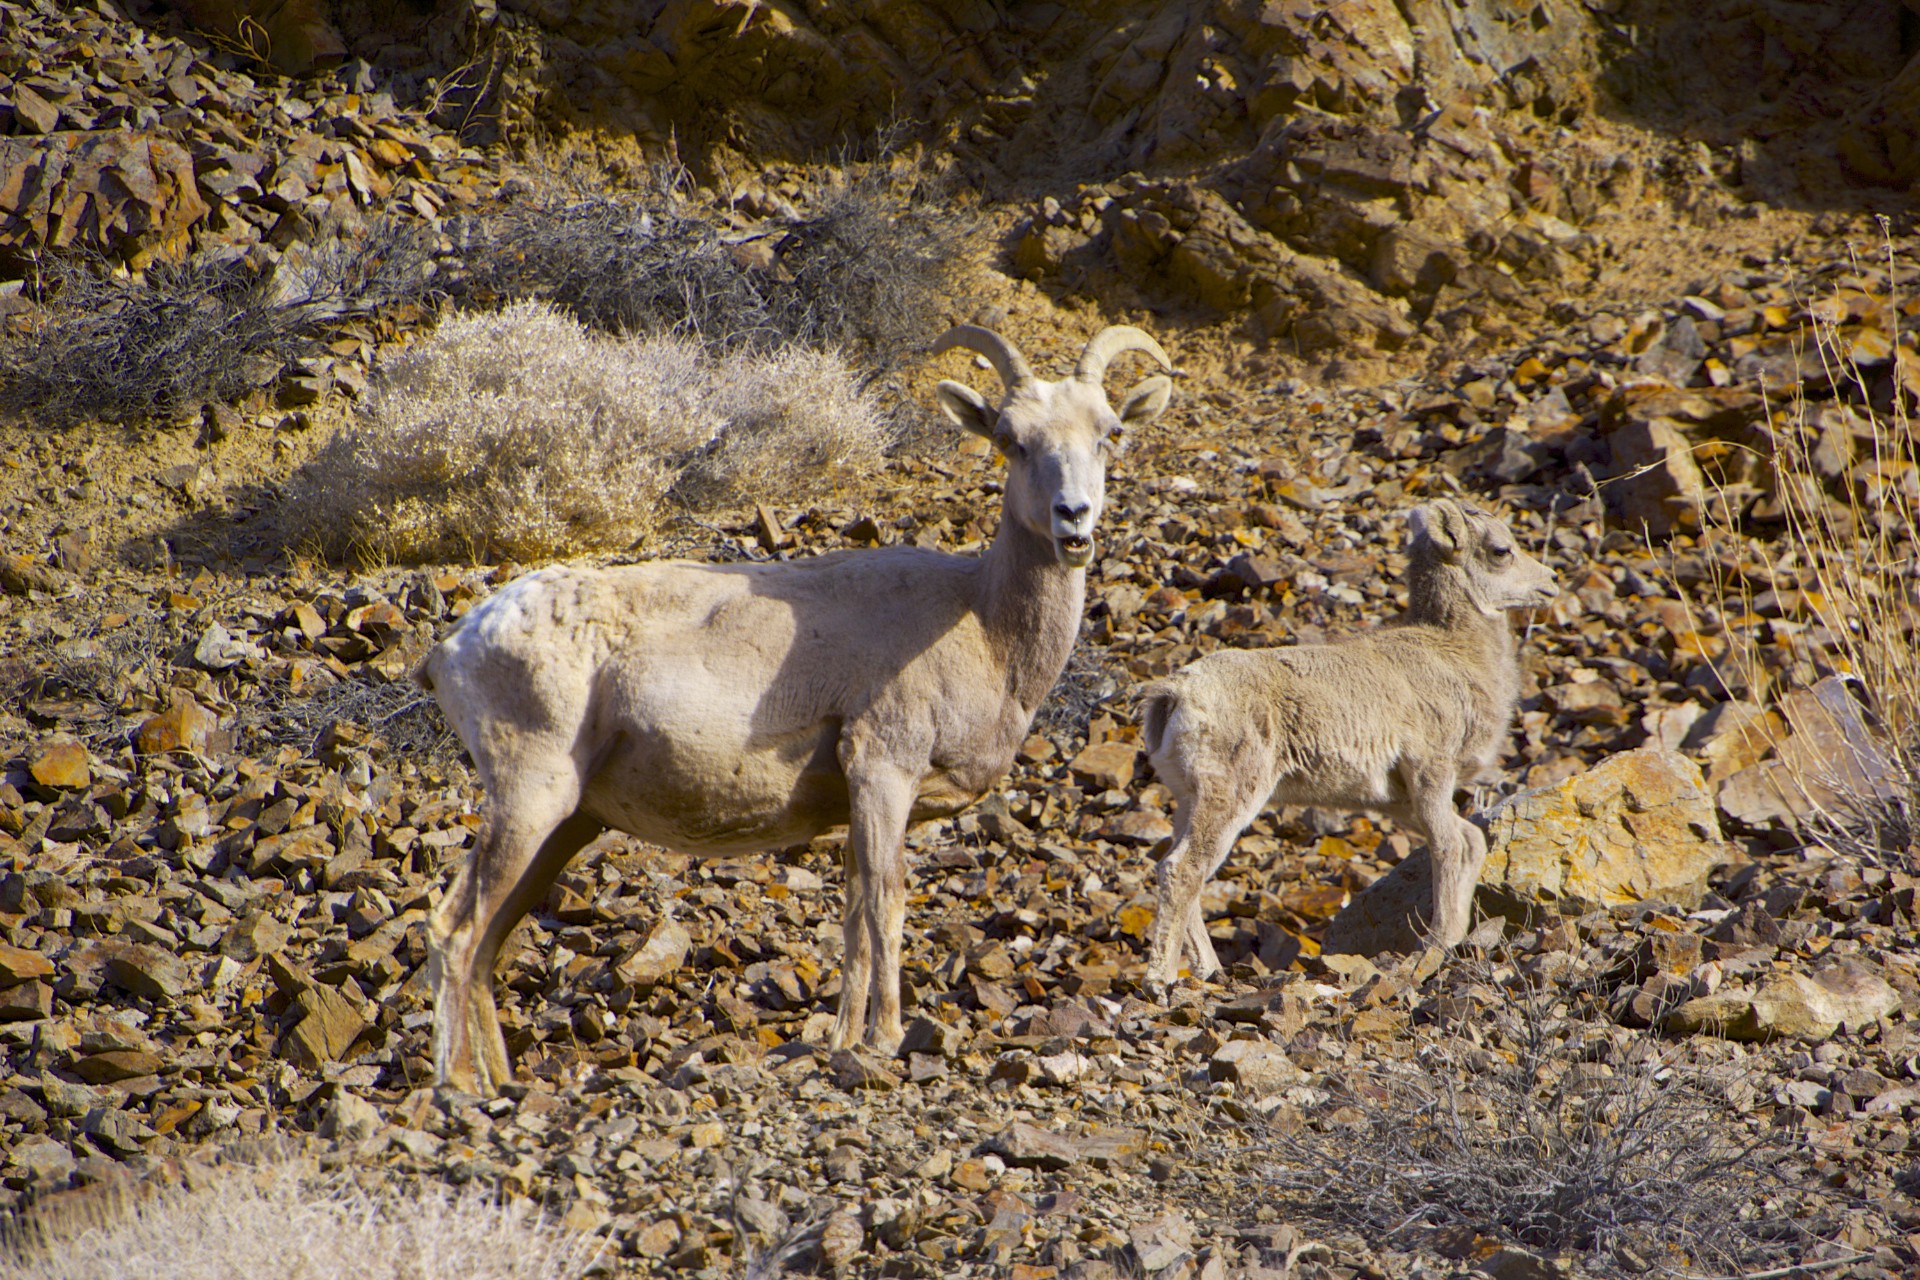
(1390, 721)
(719, 709)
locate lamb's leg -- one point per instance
(880, 798)
(526, 841)
(1457, 850)
(1202, 960)
(1204, 829)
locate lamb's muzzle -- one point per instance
(723, 709)
(1390, 721)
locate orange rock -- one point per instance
(185, 726)
(63, 765)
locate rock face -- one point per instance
(1639, 827)
(1339, 176)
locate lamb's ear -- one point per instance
(968, 409)
(1146, 401)
(1442, 523)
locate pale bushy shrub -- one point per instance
(518, 433)
(287, 1220)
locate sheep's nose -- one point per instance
(1070, 513)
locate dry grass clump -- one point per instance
(127, 348)
(518, 433)
(867, 265)
(1512, 1125)
(286, 1219)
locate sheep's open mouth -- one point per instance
(1077, 548)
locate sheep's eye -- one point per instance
(1501, 553)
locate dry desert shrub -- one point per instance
(866, 265)
(519, 433)
(286, 1219)
(116, 347)
(1512, 1123)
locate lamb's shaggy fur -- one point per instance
(1390, 721)
(721, 709)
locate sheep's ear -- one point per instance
(968, 409)
(1442, 523)
(1146, 401)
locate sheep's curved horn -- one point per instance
(1110, 342)
(1003, 355)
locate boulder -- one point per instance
(1802, 1006)
(1640, 827)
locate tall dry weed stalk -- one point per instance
(1846, 490)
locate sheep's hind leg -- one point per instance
(519, 853)
(1204, 829)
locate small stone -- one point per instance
(17, 964)
(1257, 1067)
(330, 1027)
(62, 766)
(664, 951)
(149, 972)
(1028, 1146)
(33, 111)
(841, 1237)
(657, 1239)
(185, 726)
(26, 1002)
(218, 650)
(1138, 827)
(1159, 1243)
(974, 1175)
(930, 1035)
(21, 575)
(255, 934)
(1105, 766)
(42, 1160)
(119, 1064)
(349, 1118)
(850, 1071)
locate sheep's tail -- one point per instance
(1158, 702)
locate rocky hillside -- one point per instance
(1590, 269)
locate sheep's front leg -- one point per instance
(881, 798)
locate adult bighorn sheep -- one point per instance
(1390, 721)
(719, 709)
